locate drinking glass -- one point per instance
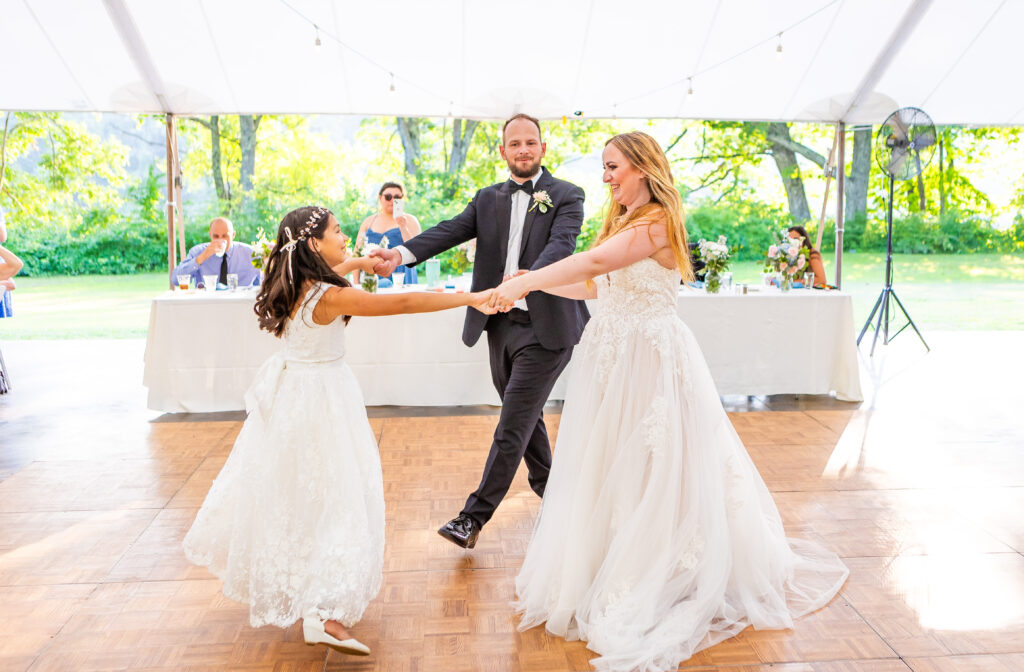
(727, 282)
(808, 280)
(183, 281)
(211, 282)
(398, 279)
(232, 281)
(433, 272)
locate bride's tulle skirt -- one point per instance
(657, 537)
(294, 523)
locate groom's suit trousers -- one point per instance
(523, 372)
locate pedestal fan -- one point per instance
(903, 148)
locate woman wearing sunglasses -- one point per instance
(391, 222)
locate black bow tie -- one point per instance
(514, 186)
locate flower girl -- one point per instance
(294, 523)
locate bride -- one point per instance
(657, 537)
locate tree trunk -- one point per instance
(216, 170)
(462, 137)
(942, 174)
(409, 132)
(921, 202)
(3, 149)
(785, 161)
(856, 197)
(248, 125)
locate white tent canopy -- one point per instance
(842, 60)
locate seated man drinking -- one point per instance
(219, 257)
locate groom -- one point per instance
(528, 222)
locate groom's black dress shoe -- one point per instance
(461, 531)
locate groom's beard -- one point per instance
(523, 173)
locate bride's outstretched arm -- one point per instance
(621, 250)
(577, 290)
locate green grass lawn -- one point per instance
(947, 292)
(942, 292)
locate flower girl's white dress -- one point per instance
(294, 523)
(657, 536)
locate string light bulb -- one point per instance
(317, 44)
(392, 87)
(778, 48)
(689, 90)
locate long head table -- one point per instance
(203, 349)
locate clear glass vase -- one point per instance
(369, 283)
(786, 282)
(712, 282)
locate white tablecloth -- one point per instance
(203, 349)
(797, 342)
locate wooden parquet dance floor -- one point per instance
(921, 494)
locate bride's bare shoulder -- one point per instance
(665, 258)
(655, 221)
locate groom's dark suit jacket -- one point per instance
(547, 237)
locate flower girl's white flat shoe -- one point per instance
(313, 632)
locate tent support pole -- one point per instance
(172, 143)
(840, 193)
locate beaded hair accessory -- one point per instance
(304, 232)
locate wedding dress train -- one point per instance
(657, 536)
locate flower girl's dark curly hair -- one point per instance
(292, 265)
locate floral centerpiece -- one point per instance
(261, 249)
(715, 256)
(463, 257)
(369, 280)
(786, 257)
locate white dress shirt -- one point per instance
(520, 206)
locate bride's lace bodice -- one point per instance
(640, 291)
(636, 304)
(307, 341)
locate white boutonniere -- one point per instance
(541, 200)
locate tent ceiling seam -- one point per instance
(574, 99)
(814, 59)
(125, 26)
(885, 57)
(384, 69)
(962, 54)
(60, 56)
(216, 50)
(700, 54)
(465, 59)
(341, 57)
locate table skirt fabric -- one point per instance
(203, 349)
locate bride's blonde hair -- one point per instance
(644, 153)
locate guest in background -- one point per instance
(219, 257)
(393, 223)
(814, 257)
(10, 265)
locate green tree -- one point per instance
(58, 184)
(229, 149)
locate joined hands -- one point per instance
(505, 295)
(386, 261)
(502, 298)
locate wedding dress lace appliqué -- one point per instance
(294, 523)
(657, 537)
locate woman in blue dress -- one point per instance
(393, 223)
